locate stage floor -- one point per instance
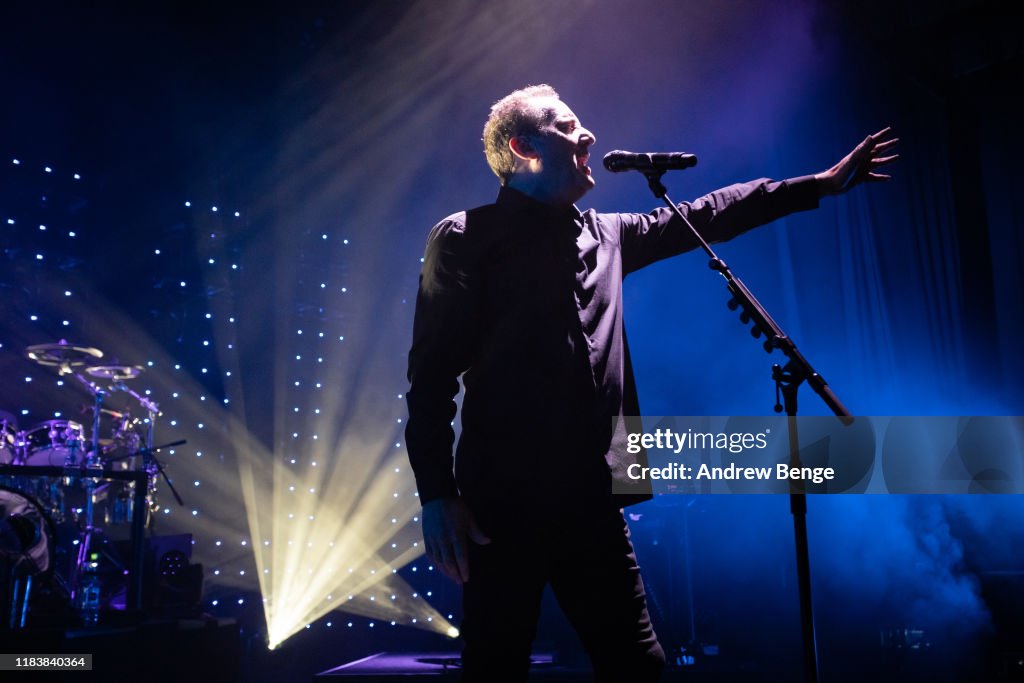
(397, 667)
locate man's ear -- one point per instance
(522, 148)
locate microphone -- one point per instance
(618, 161)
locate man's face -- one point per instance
(563, 148)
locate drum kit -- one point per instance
(82, 477)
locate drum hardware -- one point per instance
(26, 551)
(8, 439)
(52, 592)
(63, 355)
(86, 409)
(99, 395)
(45, 443)
(155, 466)
(120, 512)
(118, 373)
(91, 464)
(53, 442)
(125, 490)
(152, 466)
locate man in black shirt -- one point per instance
(523, 299)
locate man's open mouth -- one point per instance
(581, 162)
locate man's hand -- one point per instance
(448, 526)
(859, 165)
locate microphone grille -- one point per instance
(613, 160)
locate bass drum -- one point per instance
(26, 534)
(55, 443)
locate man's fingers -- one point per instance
(858, 166)
(436, 557)
(476, 535)
(449, 565)
(439, 555)
(878, 161)
(448, 527)
(433, 554)
(883, 146)
(461, 564)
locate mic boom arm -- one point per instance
(798, 368)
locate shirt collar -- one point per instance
(515, 200)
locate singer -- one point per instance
(522, 299)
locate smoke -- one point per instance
(893, 576)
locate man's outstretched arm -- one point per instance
(728, 212)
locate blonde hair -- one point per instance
(511, 116)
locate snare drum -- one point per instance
(55, 443)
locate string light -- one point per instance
(339, 509)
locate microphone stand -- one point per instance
(787, 382)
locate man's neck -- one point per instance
(537, 191)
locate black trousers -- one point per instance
(587, 558)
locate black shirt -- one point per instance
(524, 301)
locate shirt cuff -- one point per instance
(441, 487)
(805, 191)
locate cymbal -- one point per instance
(63, 354)
(115, 372)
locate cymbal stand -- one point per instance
(92, 464)
(150, 464)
